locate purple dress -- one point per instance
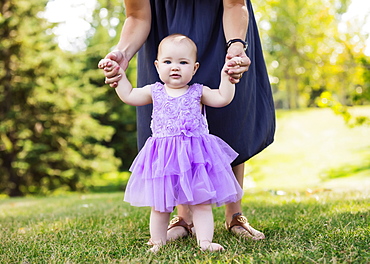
(181, 163)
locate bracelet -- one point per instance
(231, 41)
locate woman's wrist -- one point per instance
(122, 53)
(125, 50)
(237, 42)
(235, 50)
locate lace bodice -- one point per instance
(180, 115)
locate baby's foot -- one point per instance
(174, 233)
(155, 248)
(156, 245)
(206, 245)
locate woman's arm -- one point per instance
(235, 22)
(134, 32)
(136, 27)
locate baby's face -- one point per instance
(176, 63)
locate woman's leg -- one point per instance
(233, 208)
(203, 223)
(158, 229)
(233, 213)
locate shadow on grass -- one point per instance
(346, 171)
(109, 188)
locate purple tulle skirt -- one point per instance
(169, 171)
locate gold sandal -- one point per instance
(179, 221)
(248, 231)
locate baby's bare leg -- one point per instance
(158, 229)
(203, 223)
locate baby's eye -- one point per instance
(183, 62)
(167, 62)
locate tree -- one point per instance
(305, 53)
(48, 138)
(107, 22)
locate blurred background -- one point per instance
(62, 129)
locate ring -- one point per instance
(240, 75)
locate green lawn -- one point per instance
(314, 149)
(310, 198)
(324, 227)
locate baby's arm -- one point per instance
(224, 94)
(124, 90)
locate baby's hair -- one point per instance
(180, 38)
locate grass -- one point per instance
(314, 148)
(323, 227)
(310, 198)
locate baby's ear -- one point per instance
(156, 64)
(196, 67)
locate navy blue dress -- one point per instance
(248, 123)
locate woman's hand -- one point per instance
(111, 73)
(236, 68)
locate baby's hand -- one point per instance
(112, 70)
(230, 66)
(237, 62)
(107, 64)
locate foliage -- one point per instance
(48, 137)
(360, 95)
(107, 22)
(306, 53)
(300, 228)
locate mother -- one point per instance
(217, 27)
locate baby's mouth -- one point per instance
(175, 75)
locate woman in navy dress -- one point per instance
(217, 27)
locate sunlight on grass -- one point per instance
(312, 147)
